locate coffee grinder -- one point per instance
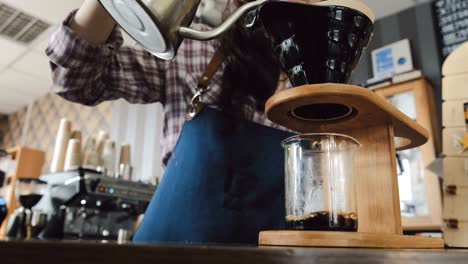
(25, 223)
(318, 47)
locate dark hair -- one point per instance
(252, 72)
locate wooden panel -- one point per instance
(455, 87)
(457, 237)
(452, 146)
(29, 162)
(456, 62)
(372, 110)
(456, 171)
(452, 113)
(346, 239)
(455, 205)
(376, 181)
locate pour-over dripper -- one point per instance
(313, 43)
(316, 44)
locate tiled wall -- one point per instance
(14, 125)
(46, 113)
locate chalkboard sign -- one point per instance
(451, 19)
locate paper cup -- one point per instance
(60, 149)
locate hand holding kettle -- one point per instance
(158, 25)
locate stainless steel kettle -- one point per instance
(161, 25)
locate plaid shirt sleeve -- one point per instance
(89, 74)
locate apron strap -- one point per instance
(211, 70)
(195, 106)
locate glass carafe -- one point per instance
(320, 185)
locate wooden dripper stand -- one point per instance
(327, 105)
(381, 129)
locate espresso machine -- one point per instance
(83, 204)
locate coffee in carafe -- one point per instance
(323, 221)
(320, 188)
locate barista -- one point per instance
(224, 178)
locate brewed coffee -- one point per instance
(323, 221)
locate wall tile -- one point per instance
(45, 117)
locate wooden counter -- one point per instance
(90, 253)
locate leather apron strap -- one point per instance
(195, 106)
(211, 69)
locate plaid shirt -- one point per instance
(89, 74)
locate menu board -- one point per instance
(451, 22)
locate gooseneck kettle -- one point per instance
(161, 25)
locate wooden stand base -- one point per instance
(346, 239)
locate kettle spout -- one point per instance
(190, 33)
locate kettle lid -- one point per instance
(140, 24)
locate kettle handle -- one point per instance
(190, 33)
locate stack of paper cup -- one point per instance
(90, 154)
(61, 142)
(76, 134)
(101, 141)
(124, 154)
(108, 157)
(73, 157)
(125, 168)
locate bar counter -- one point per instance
(102, 253)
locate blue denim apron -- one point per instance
(223, 184)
